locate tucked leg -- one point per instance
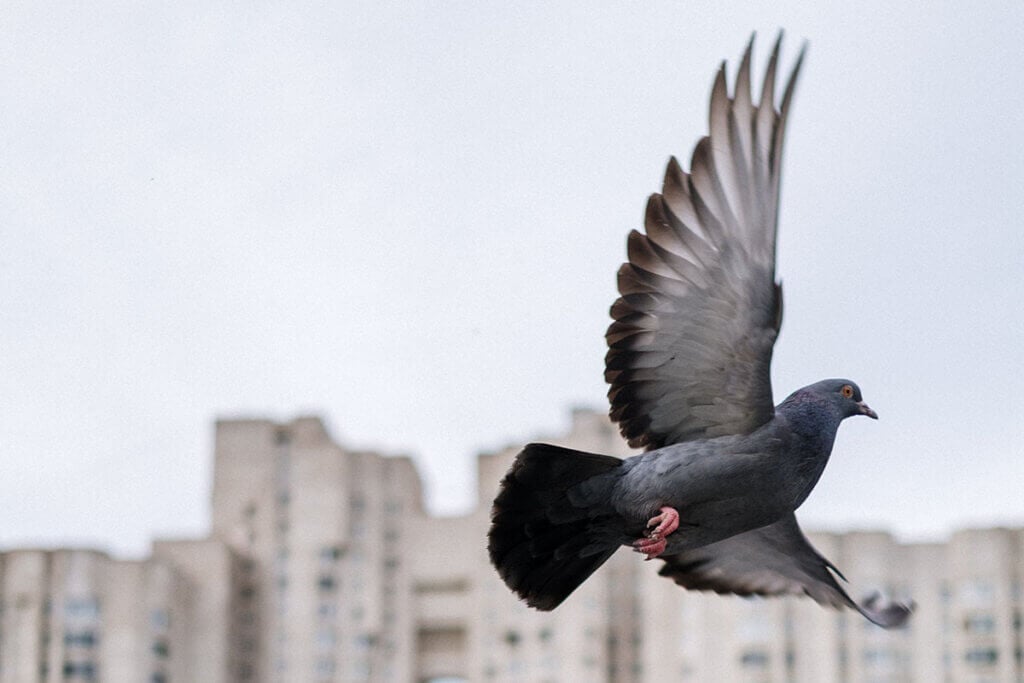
(658, 527)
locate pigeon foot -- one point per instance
(658, 527)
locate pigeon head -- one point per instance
(844, 395)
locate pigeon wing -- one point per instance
(689, 351)
(774, 560)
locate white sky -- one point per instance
(407, 218)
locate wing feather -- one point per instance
(774, 560)
(699, 309)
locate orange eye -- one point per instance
(847, 391)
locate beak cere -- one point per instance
(864, 409)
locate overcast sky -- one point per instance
(407, 218)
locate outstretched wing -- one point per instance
(689, 351)
(774, 560)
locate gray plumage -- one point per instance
(689, 358)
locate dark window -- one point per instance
(80, 638)
(161, 648)
(980, 624)
(85, 671)
(754, 658)
(982, 655)
(330, 553)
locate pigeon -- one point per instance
(713, 494)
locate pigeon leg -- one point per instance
(661, 525)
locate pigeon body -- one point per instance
(728, 484)
(689, 357)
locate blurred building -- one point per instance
(323, 566)
(78, 615)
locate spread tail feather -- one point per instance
(545, 540)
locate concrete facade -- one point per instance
(323, 566)
(78, 615)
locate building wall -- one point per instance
(325, 530)
(217, 632)
(78, 615)
(24, 626)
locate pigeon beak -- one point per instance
(864, 409)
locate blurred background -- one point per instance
(407, 218)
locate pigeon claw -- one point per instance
(661, 525)
(650, 548)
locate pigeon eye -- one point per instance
(847, 391)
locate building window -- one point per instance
(330, 553)
(161, 649)
(754, 659)
(881, 657)
(84, 671)
(982, 656)
(980, 624)
(80, 638)
(160, 618)
(82, 608)
(977, 593)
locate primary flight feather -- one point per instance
(689, 359)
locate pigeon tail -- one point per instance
(549, 527)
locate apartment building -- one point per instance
(322, 565)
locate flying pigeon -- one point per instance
(688, 361)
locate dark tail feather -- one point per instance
(543, 544)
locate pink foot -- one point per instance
(650, 548)
(653, 543)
